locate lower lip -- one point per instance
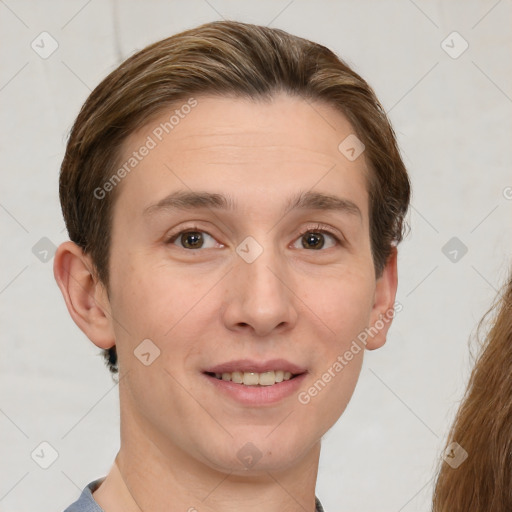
(258, 395)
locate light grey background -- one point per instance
(452, 117)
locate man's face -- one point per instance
(211, 285)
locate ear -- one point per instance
(384, 300)
(86, 297)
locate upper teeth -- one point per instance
(254, 379)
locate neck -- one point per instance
(151, 474)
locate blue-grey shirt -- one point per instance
(87, 503)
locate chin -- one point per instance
(259, 453)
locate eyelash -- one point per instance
(318, 228)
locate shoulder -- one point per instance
(86, 501)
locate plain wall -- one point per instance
(453, 121)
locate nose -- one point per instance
(260, 296)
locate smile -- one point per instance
(254, 379)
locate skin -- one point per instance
(206, 306)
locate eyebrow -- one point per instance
(191, 200)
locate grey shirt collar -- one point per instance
(87, 503)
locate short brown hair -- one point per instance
(223, 58)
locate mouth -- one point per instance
(255, 384)
(268, 378)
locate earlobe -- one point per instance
(383, 307)
(84, 294)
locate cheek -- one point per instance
(343, 307)
(150, 301)
(330, 389)
(342, 303)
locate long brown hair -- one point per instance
(483, 425)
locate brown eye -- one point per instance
(313, 240)
(192, 239)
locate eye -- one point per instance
(192, 238)
(314, 237)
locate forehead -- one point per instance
(265, 150)
(216, 121)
